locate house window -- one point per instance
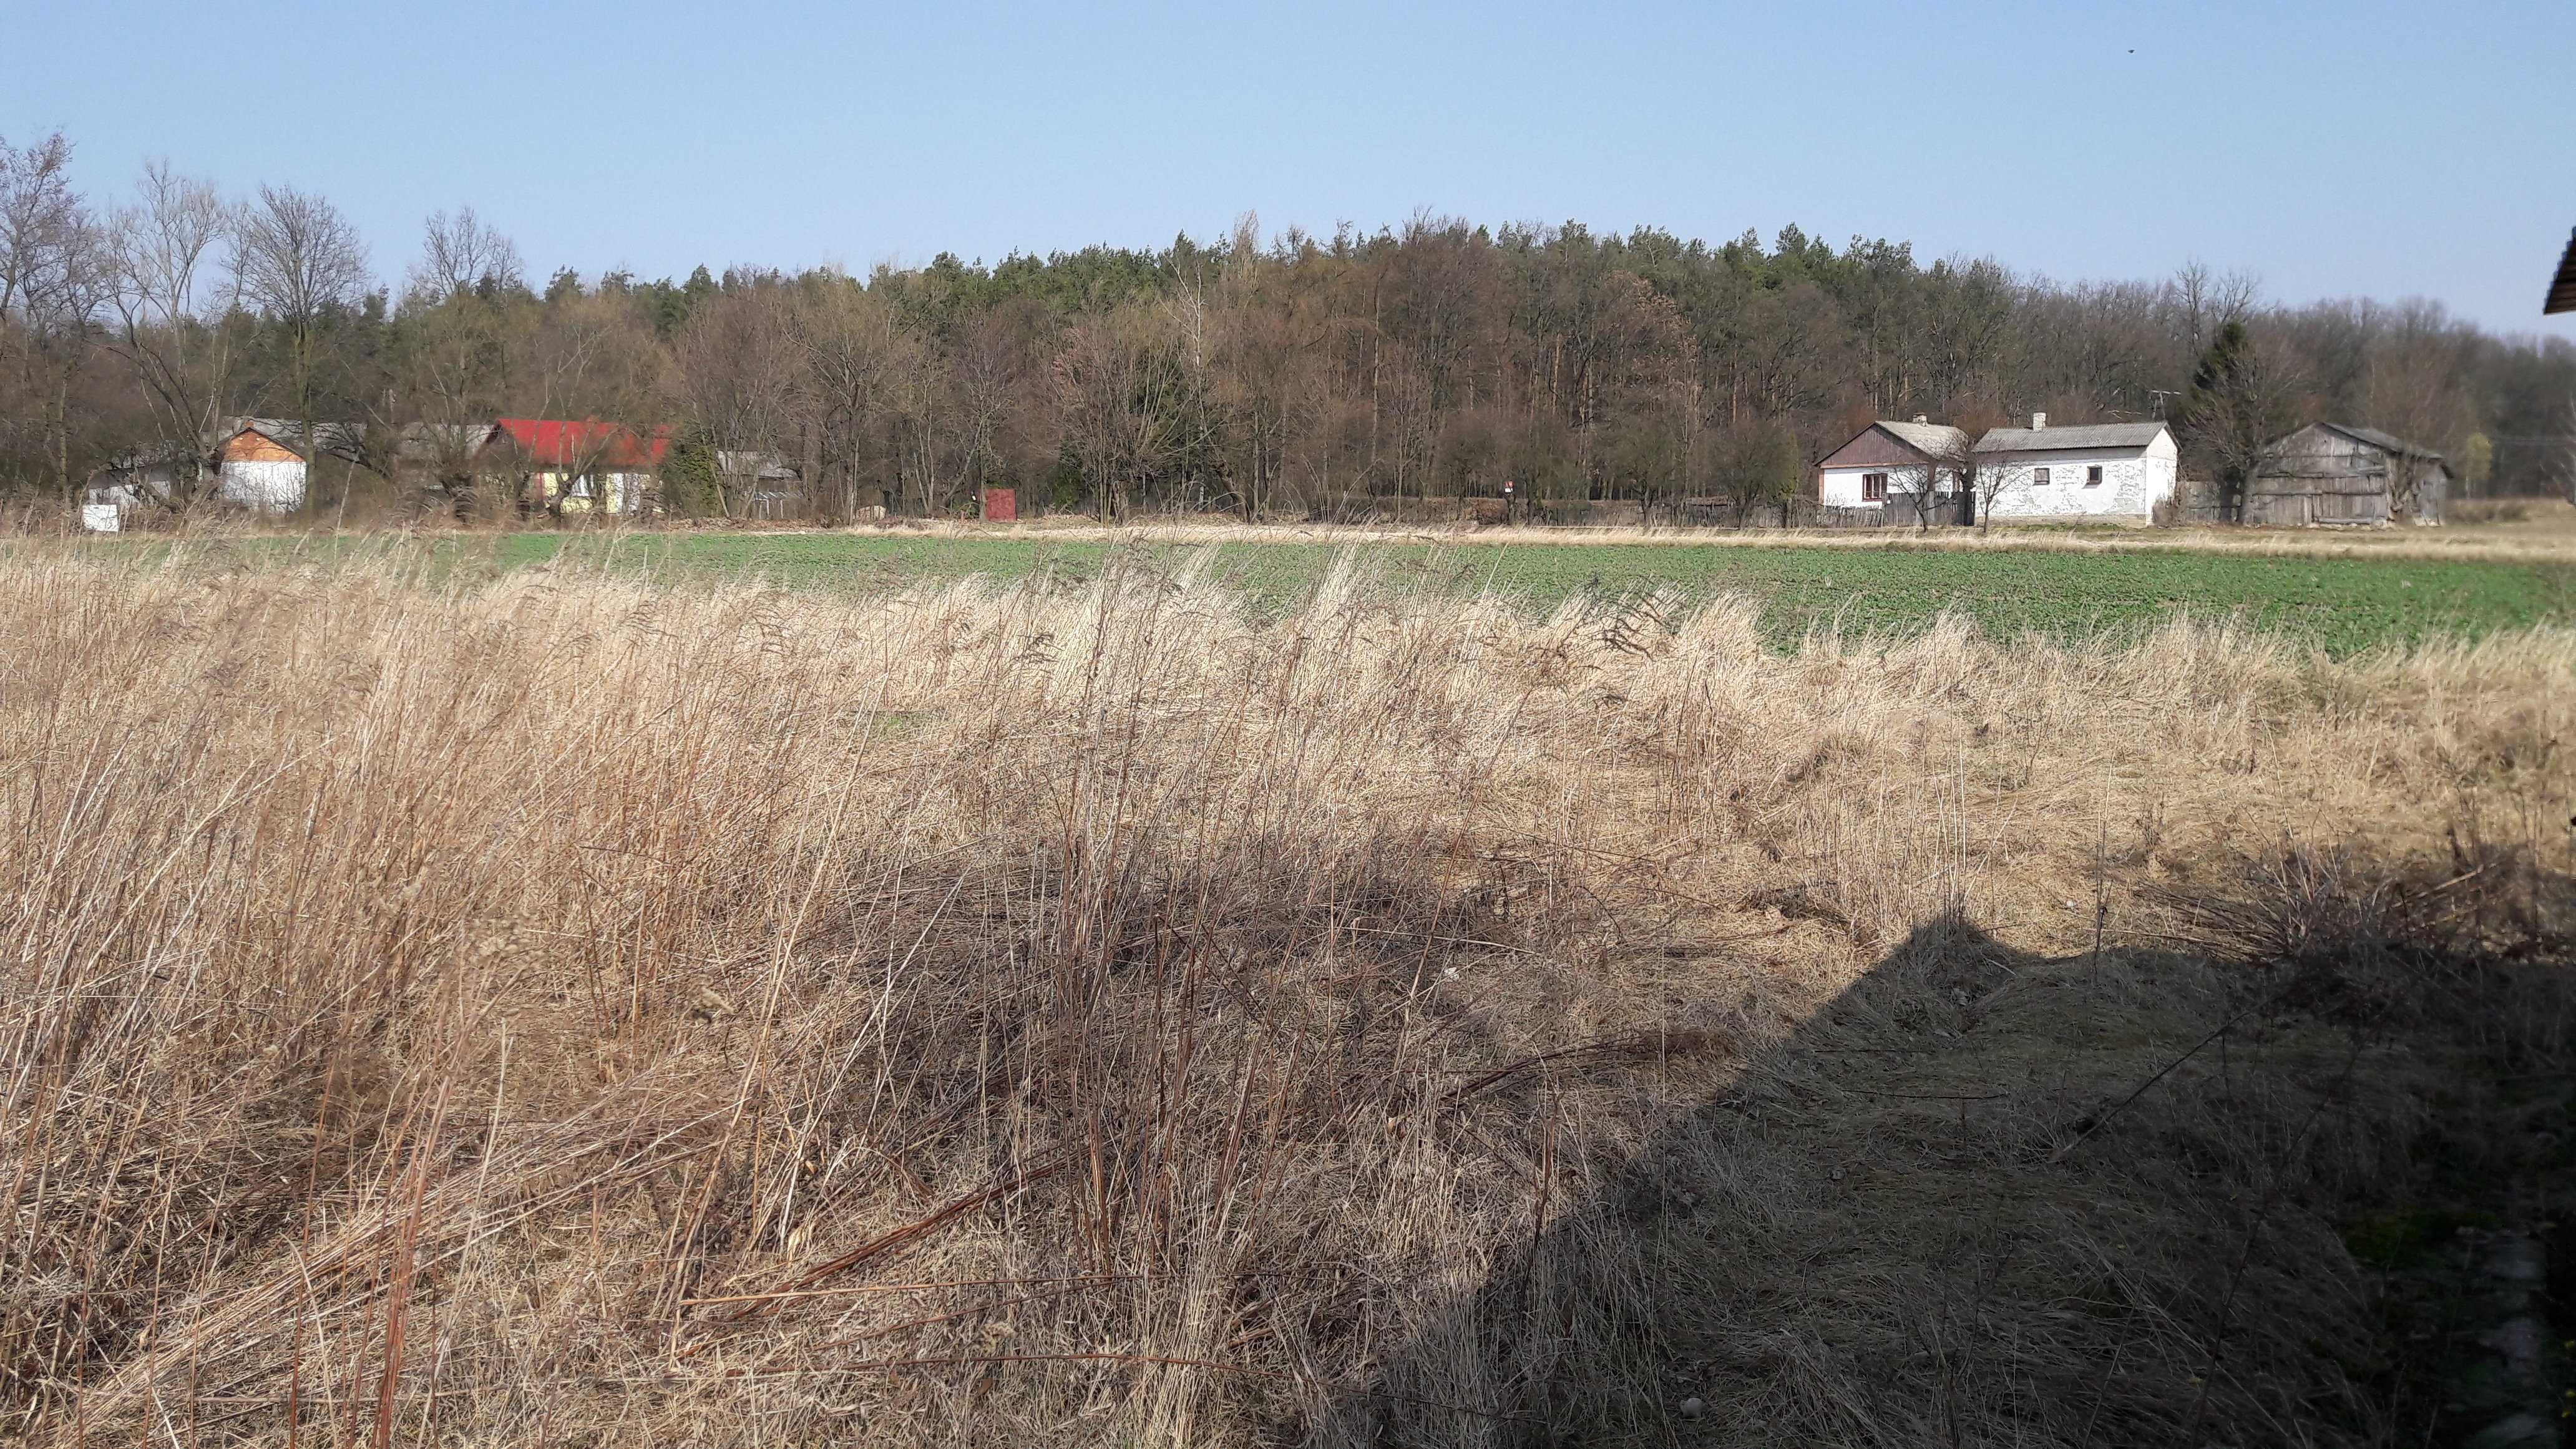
(2093, 476)
(1873, 488)
(2039, 477)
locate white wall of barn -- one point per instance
(2133, 482)
(270, 487)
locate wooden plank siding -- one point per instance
(2320, 476)
(252, 446)
(1874, 448)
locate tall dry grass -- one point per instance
(557, 1010)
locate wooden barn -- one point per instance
(2339, 476)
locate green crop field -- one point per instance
(2340, 604)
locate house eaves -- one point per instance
(2070, 439)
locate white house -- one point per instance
(580, 466)
(2100, 470)
(1899, 459)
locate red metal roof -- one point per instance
(556, 443)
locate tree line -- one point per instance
(1261, 374)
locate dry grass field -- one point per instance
(552, 1009)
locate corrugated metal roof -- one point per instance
(2562, 291)
(2059, 440)
(1932, 440)
(2383, 441)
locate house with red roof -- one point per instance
(576, 466)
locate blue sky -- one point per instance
(2332, 149)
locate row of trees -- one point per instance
(1259, 374)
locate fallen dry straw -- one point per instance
(519, 1011)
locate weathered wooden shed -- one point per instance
(2337, 475)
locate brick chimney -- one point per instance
(2038, 422)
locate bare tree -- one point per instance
(2243, 398)
(1115, 423)
(1979, 477)
(171, 329)
(52, 282)
(593, 358)
(2206, 301)
(737, 371)
(982, 376)
(1945, 476)
(1266, 356)
(300, 262)
(465, 314)
(40, 218)
(2414, 377)
(459, 254)
(1927, 486)
(451, 369)
(852, 354)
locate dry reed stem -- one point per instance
(1370, 975)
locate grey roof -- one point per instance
(346, 440)
(433, 443)
(2383, 442)
(1932, 440)
(2562, 288)
(2058, 440)
(147, 456)
(751, 463)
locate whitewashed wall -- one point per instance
(272, 487)
(2133, 482)
(1841, 487)
(622, 492)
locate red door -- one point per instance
(1001, 505)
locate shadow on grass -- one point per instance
(1987, 1198)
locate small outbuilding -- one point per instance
(768, 485)
(2340, 476)
(145, 475)
(265, 463)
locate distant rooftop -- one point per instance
(2384, 442)
(1933, 440)
(2053, 440)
